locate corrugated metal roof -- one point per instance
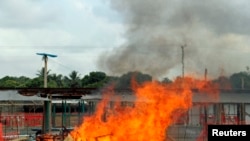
(128, 98)
(223, 97)
(12, 97)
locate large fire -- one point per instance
(157, 106)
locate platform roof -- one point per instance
(222, 98)
(198, 97)
(12, 97)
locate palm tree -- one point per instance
(41, 73)
(73, 80)
(58, 79)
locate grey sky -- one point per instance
(71, 29)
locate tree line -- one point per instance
(98, 79)
(95, 79)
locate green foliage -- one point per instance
(56, 81)
(40, 73)
(98, 79)
(37, 82)
(125, 81)
(94, 80)
(73, 81)
(10, 84)
(223, 82)
(166, 80)
(13, 82)
(240, 80)
(52, 84)
(99, 84)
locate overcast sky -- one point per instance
(117, 36)
(75, 30)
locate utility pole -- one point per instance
(205, 75)
(46, 128)
(182, 59)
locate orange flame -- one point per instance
(157, 106)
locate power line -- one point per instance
(64, 66)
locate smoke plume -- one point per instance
(215, 34)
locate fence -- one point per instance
(17, 124)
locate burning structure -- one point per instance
(146, 115)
